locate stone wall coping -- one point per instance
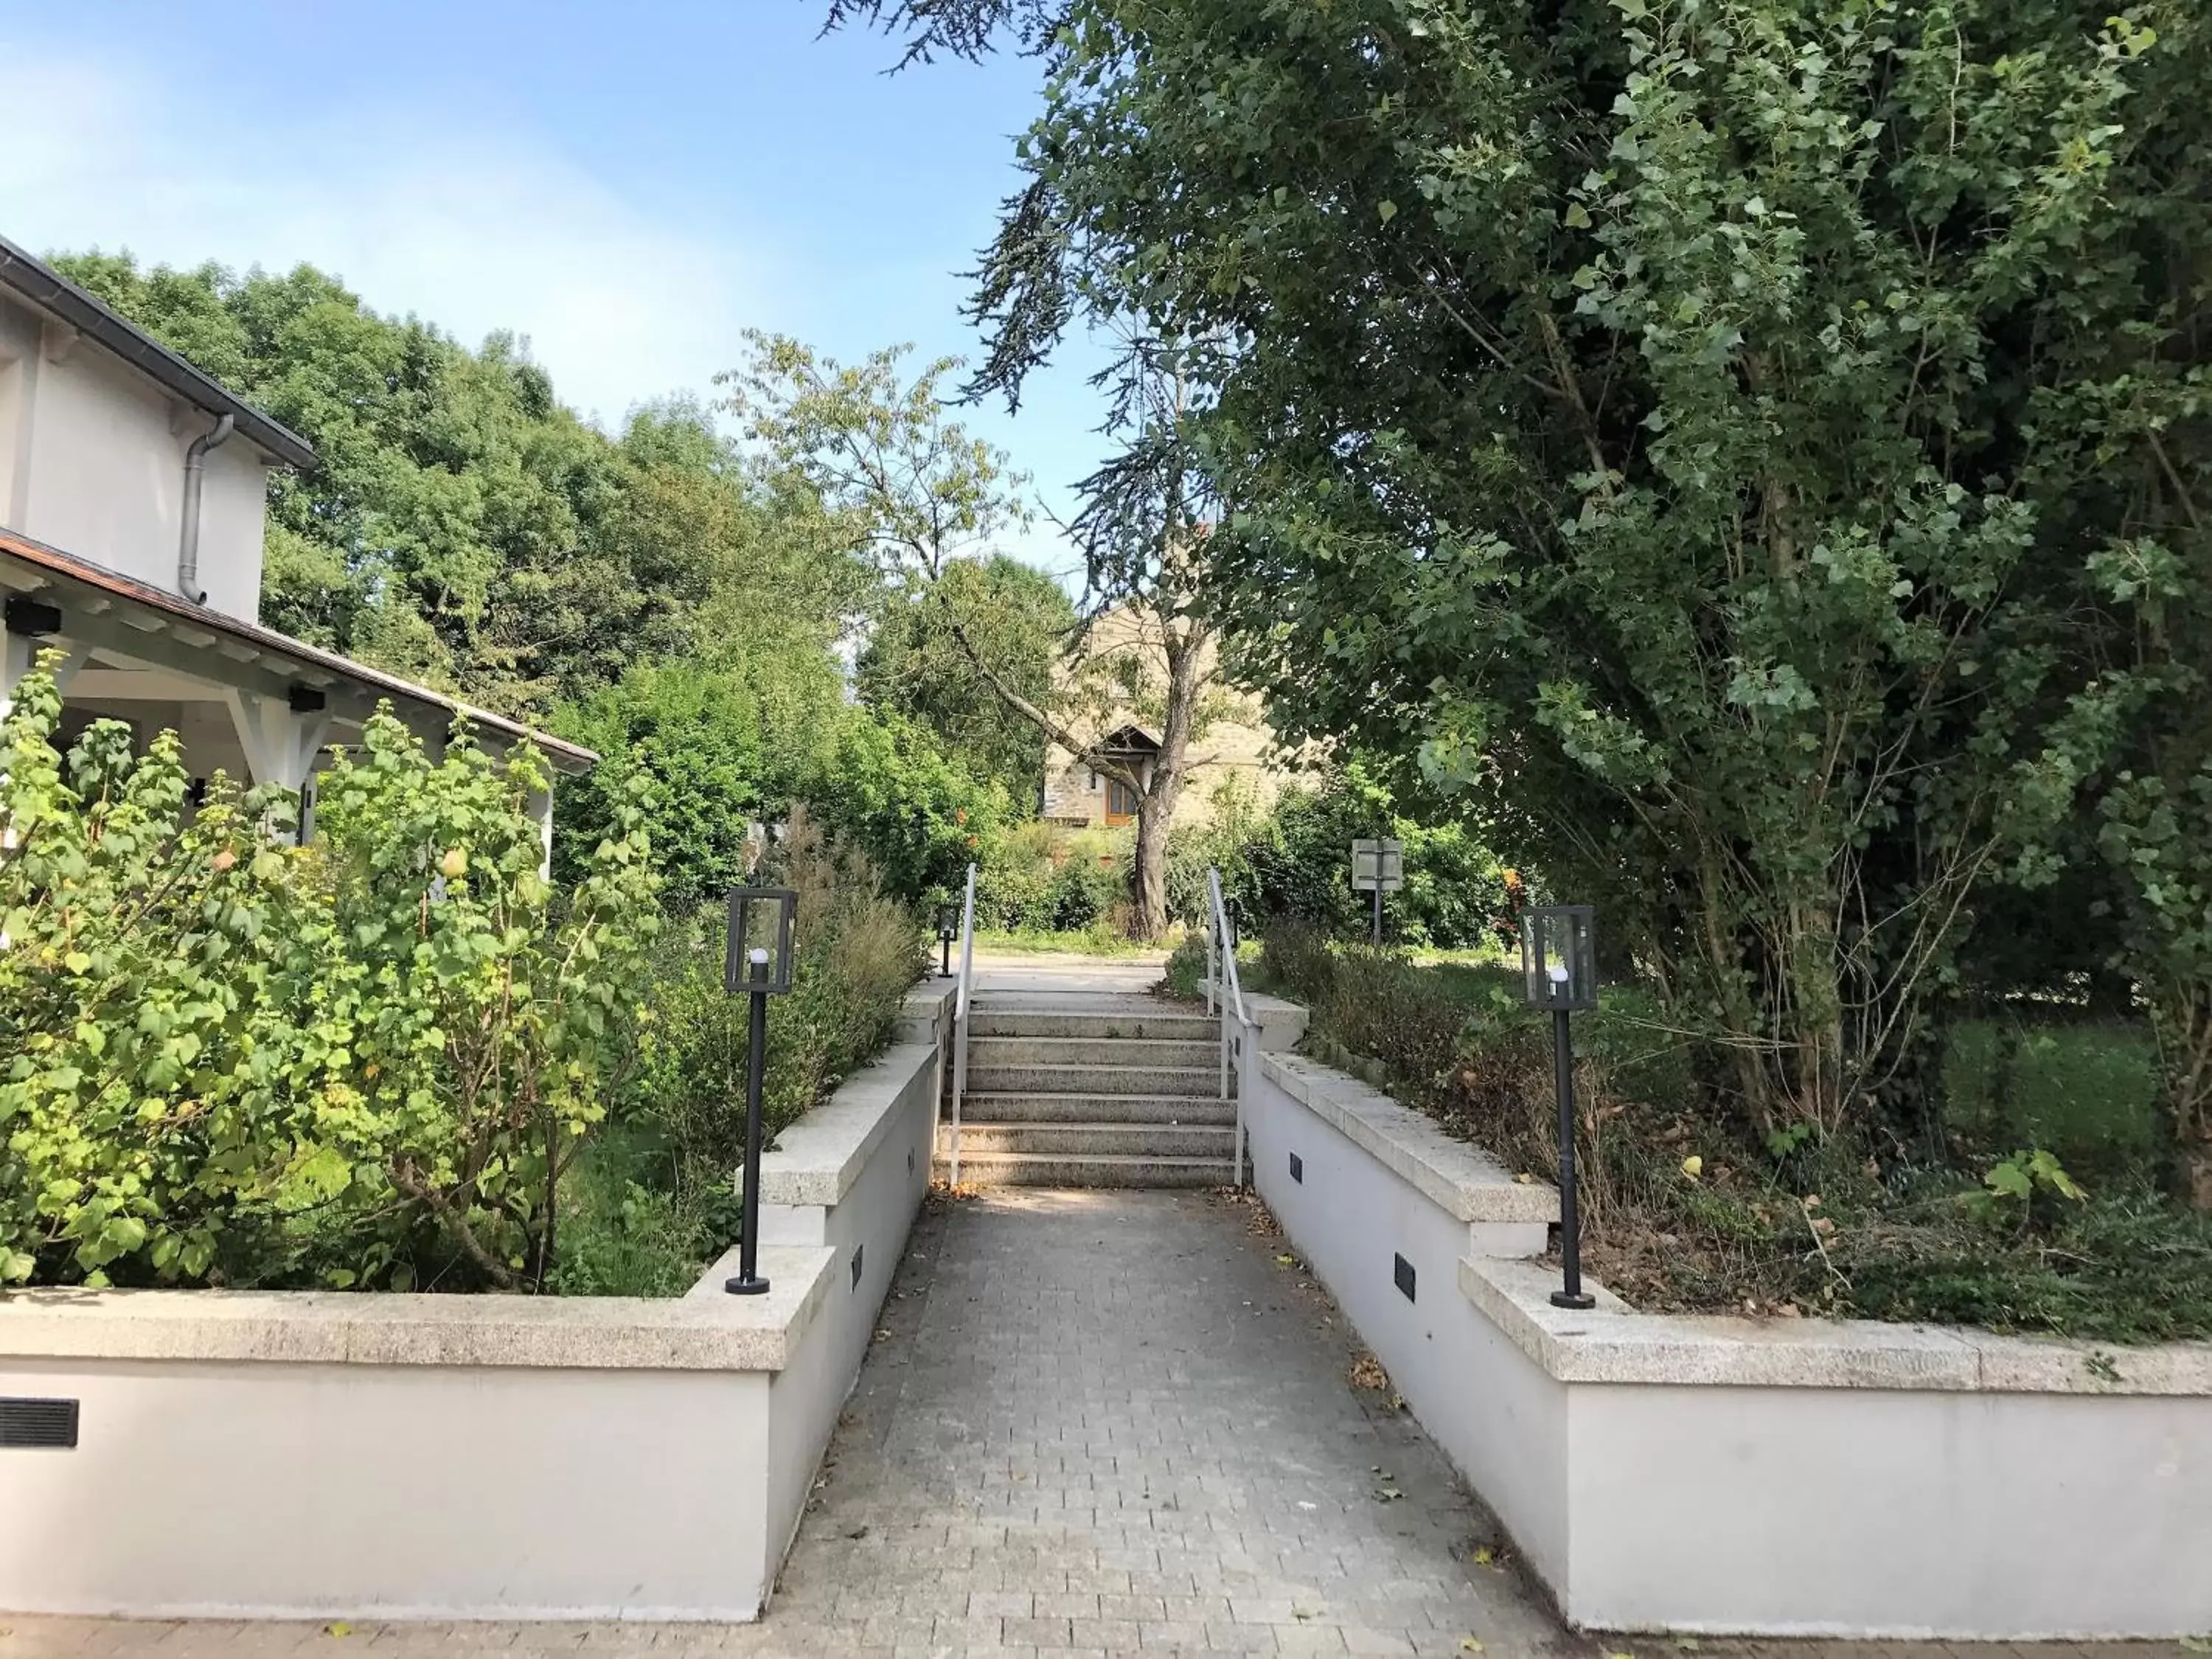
(928, 1009)
(1464, 1180)
(817, 1159)
(1613, 1344)
(695, 1332)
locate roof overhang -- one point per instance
(47, 290)
(150, 625)
(1128, 740)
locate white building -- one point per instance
(132, 490)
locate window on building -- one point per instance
(1121, 802)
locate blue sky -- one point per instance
(631, 186)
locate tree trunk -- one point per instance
(2183, 1026)
(1155, 805)
(1150, 883)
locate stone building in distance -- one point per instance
(1113, 692)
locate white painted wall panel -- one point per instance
(1499, 1419)
(323, 1490)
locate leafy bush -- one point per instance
(366, 1062)
(1297, 863)
(658, 1197)
(722, 749)
(1044, 877)
(1186, 968)
(889, 789)
(1687, 1207)
(705, 741)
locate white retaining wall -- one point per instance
(1731, 1475)
(328, 1455)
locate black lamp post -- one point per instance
(757, 963)
(948, 929)
(1559, 963)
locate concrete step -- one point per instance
(1150, 1053)
(1090, 1141)
(1194, 1082)
(985, 1021)
(1048, 999)
(979, 1108)
(1048, 1170)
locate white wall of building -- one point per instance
(91, 462)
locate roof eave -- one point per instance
(46, 289)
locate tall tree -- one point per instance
(1758, 443)
(461, 527)
(1019, 619)
(928, 496)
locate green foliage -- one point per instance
(2012, 1185)
(2089, 1089)
(1687, 1211)
(858, 951)
(364, 1062)
(137, 949)
(1018, 619)
(1296, 862)
(888, 788)
(464, 528)
(1186, 968)
(721, 748)
(1762, 470)
(1045, 879)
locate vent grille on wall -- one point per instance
(1297, 1168)
(1403, 1272)
(40, 1425)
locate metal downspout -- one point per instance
(188, 538)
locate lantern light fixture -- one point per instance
(759, 956)
(757, 962)
(1559, 970)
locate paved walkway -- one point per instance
(1116, 1423)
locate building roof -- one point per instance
(251, 645)
(47, 289)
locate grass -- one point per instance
(1093, 941)
(1687, 1210)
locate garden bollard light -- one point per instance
(768, 913)
(1558, 964)
(748, 1281)
(948, 929)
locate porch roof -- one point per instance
(170, 631)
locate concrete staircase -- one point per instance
(1091, 1089)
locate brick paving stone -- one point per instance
(1102, 1423)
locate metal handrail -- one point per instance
(1221, 958)
(960, 1015)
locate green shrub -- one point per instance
(707, 743)
(368, 1062)
(722, 750)
(889, 789)
(1044, 877)
(1296, 863)
(857, 954)
(1688, 1207)
(1186, 968)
